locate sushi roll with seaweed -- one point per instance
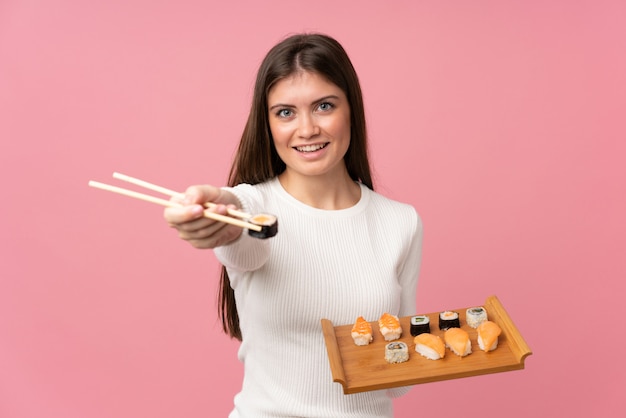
(268, 224)
(396, 352)
(449, 319)
(419, 324)
(475, 316)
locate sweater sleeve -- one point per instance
(245, 253)
(409, 272)
(408, 281)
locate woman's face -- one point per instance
(309, 118)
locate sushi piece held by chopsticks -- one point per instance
(259, 226)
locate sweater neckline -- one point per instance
(352, 210)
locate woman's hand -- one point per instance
(193, 227)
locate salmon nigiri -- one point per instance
(488, 333)
(362, 331)
(390, 326)
(457, 339)
(430, 346)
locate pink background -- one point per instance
(501, 122)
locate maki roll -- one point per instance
(396, 352)
(268, 224)
(419, 325)
(475, 316)
(449, 319)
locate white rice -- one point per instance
(390, 334)
(481, 344)
(397, 352)
(361, 339)
(475, 316)
(468, 349)
(427, 352)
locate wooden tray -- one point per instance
(363, 368)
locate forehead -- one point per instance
(302, 86)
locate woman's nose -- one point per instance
(308, 127)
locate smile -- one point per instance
(311, 148)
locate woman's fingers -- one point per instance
(184, 214)
(192, 226)
(201, 195)
(213, 236)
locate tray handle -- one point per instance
(334, 355)
(518, 345)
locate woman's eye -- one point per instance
(284, 113)
(326, 106)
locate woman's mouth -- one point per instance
(311, 148)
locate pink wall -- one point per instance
(501, 122)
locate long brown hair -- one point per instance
(256, 159)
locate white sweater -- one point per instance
(338, 265)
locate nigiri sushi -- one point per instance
(390, 327)
(430, 346)
(457, 340)
(362, 331)
(488, 333)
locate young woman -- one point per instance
(342, 250)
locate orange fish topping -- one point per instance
(361, 326)
(433, 341)
(388, 321)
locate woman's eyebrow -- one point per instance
(281, 105)
(330, 96)
(321, 99)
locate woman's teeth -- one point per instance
(311, 148)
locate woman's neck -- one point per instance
(322, 192)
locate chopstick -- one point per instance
(171, 193)
(167, 203)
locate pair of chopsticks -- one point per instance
(232, 219)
